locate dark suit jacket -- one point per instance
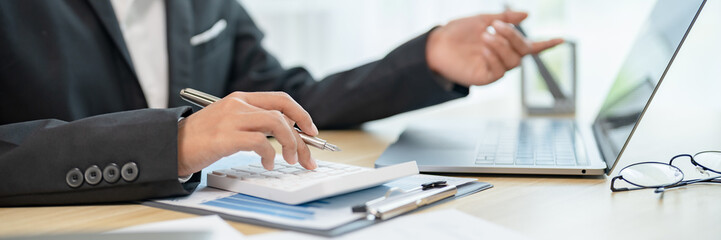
(69, 97)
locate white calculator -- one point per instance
(293, 184)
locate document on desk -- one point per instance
(214, 226)
(318, 217)
(442, 224)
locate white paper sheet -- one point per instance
(442, 224)
(213, 224)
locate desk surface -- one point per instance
(541, 207)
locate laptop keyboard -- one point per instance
(531, 142)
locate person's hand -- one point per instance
(240, 122)
(463, 51)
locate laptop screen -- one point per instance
(646, 64)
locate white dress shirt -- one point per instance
(144, 30)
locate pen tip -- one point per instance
(332, 147)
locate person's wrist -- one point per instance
(433, 44)
(182, 170)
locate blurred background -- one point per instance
(327, 36)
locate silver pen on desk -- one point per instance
(203, 99)
(392, 204)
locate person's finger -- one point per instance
(284, 103)
(495, 67)
(273, 123)
(242, 106)
(537, 47)
(506, 16)
(257, 119)
(503, 50)
(284, 134)
(290, 122)
(290, 152)
(304, 154)
(259, 144)
(514, 37)
(233, 104)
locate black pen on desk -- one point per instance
(203, 99)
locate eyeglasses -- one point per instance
(664, 176)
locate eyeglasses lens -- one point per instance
(710, 160)
(652, 174)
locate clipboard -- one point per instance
(462, 191)
(398, 201)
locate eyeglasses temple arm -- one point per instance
(687, 182)
(613, 182)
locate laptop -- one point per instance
(556, 146)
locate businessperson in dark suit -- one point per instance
(89, 110)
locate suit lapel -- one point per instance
(179, 21)
(106, 14)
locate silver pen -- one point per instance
(203, 99)
(397, 201)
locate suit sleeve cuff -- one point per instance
(419, 46)
(184, 179)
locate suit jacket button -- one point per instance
(129, 171)
(93, 175)
(74, 178)
(111, 173)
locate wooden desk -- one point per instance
(541, 207)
